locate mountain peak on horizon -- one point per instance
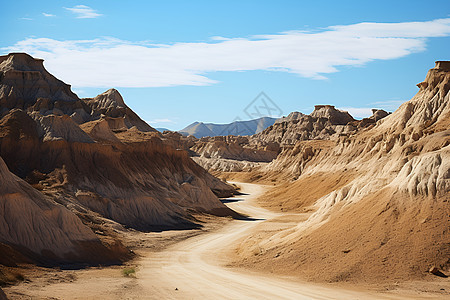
(238, 128)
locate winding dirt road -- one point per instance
(192, 269)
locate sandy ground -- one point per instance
(190, 268)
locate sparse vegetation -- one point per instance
(129, 272)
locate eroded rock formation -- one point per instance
(92, 158)
(35, 228)
(238, 153)
(379, 197)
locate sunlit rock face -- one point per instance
(87, 157)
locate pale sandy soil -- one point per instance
(197, 267)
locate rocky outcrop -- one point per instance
(235, 147)
(107, 101)
(305, 128)
(378, 114)
(227, 165)
(334, 116)
(178, 141)
(324, 123)
(111, 104)
(53, 128)
(232, 153)
(99, 131)
(24, 79)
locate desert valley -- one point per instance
(95, 203)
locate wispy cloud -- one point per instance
(390, 105)
(162, 121)
(107, 62)
(364, 112)
(25, 18)
(48, 15)
(83, 12)
(358, 112)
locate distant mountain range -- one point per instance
(162, 129)
(200, 129)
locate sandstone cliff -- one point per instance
(325, 122)
(379, 197)
(43, 230)
(94, 158)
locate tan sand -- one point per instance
(195, 268)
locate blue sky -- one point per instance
(176, 62)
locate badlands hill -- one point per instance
(241, 128)
(35, 227)
(244, 153)
(368, 199)
(375, 194)
(84, 166)
(324, 123)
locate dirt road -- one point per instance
(194, 268)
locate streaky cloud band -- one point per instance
(106, 61)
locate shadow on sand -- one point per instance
(247, 218)
(239, 216)
(229, 200)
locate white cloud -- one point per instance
(83, 12)
(48, 15)
(25, 18)
(358, 112)
(364, 112)
(107, 62)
